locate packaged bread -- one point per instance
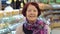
(8, 13)
(15, 12)
(1, 14)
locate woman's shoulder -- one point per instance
(19, 29)
(42, 21)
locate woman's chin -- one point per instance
(32, 19)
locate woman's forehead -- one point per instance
(31, 7)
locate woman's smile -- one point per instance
(31, 16)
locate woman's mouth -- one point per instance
(32, 16)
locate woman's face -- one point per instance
(31, 13)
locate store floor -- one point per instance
(56, 31)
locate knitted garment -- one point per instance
(37, 28)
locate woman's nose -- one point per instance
(32, 11)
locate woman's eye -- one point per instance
(34, 10)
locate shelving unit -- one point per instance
(9, 21)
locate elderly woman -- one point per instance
(32, 25)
